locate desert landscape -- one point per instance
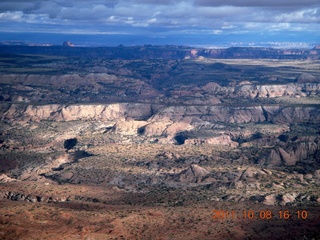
(159, 142)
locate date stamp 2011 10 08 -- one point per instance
(262, 214)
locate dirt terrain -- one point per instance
(96, 147)
(79, 220)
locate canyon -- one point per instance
(158, 136)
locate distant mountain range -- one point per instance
(164, 52)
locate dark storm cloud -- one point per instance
(129, 16)
(17, 5)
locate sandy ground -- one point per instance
(83, 220)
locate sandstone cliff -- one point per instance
(303, 88)
(154, 113)
(56, 112)
(156, 120)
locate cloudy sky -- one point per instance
(189, 22)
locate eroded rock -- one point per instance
(194, 173)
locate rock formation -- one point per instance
(193, 174)
(67, 44)
(307, 78)
(294, 152)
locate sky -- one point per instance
(194, 22)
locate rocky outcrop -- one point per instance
(306, 86)
(212, 87)
(265, 91)
(286, 199)
(67, 44)
(293, 152)
(307, 78)
(34, 172)
(279, 157)
(286, 114)
(193, 174)
(222, 140)
(5, 179)
(130, 127)
(34, 198)
(212, 114)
